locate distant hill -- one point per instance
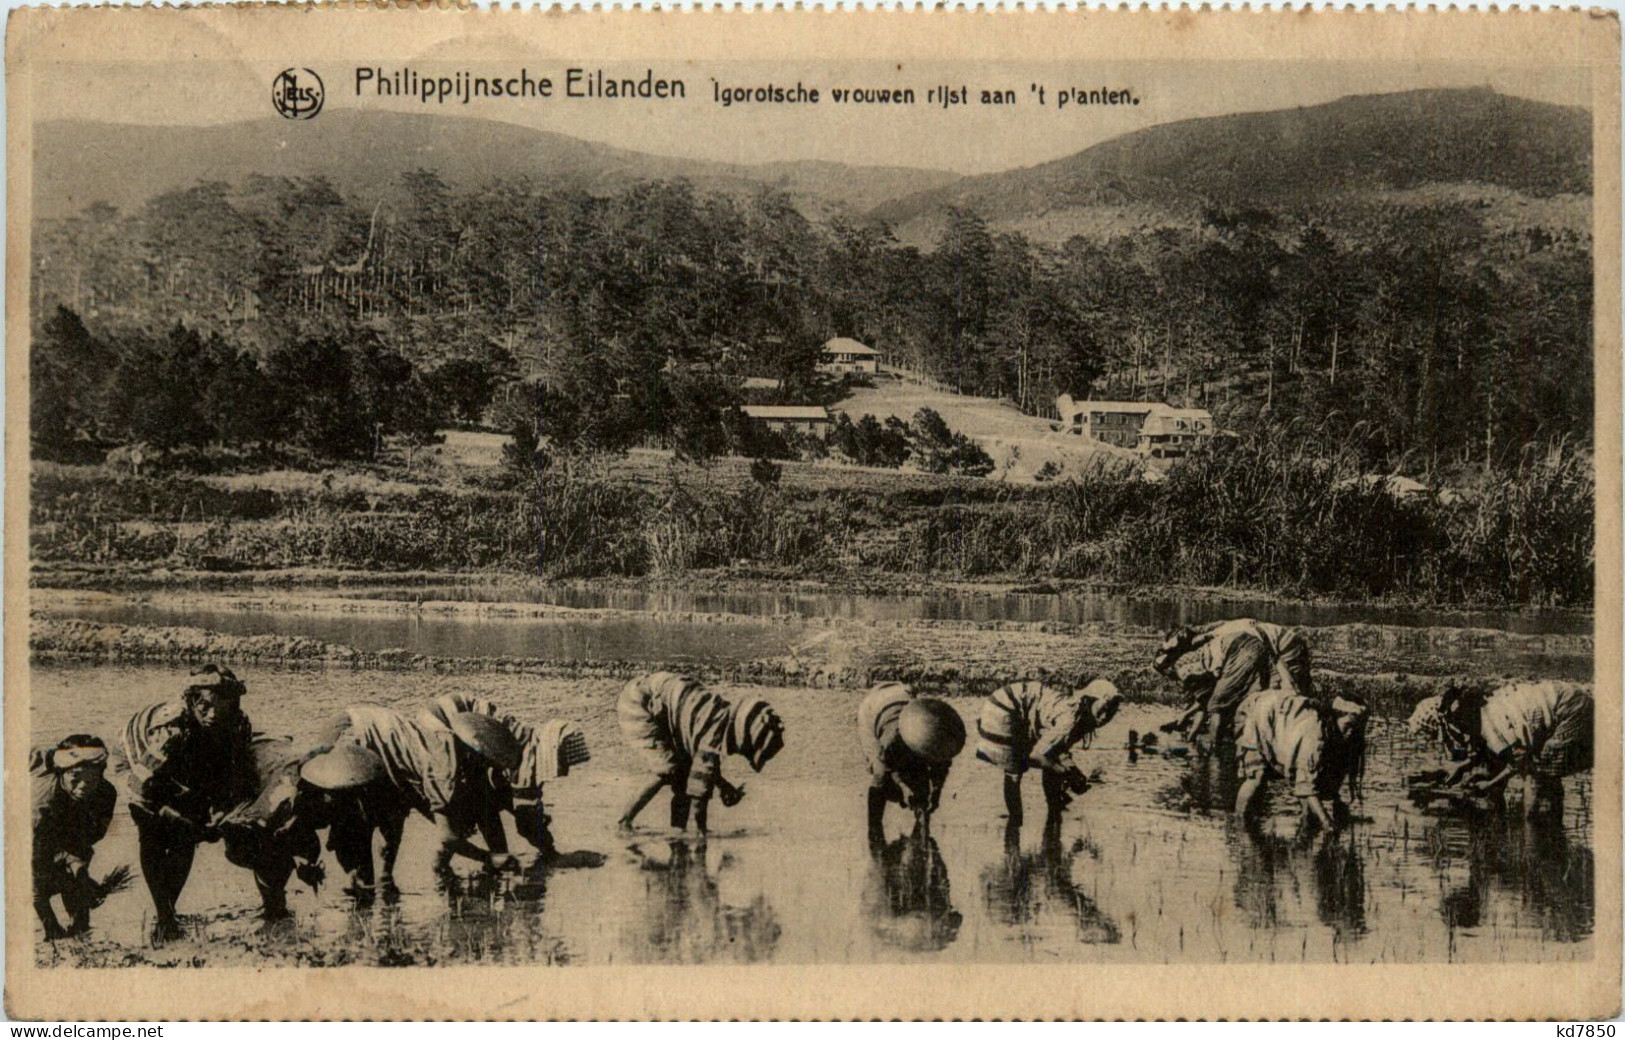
(1383, 144)
(78, 163)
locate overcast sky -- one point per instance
(969, 139)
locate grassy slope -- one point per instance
(998, 426)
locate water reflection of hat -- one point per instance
(908, 901)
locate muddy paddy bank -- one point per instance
(970, 657)
(857, 597)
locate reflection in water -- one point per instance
(494, 919)
(1549, 877)
(1331, 864)
(1340, 891)
(685, 920)
(1032, 887)
(478, 919)
(906, 898)
(1074, 607)
(1207, 788)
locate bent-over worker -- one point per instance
(1314, 748)
(546, 752)
(909, 743)
(1234, 656)
(1539, 731)
(72, 808)
(683, 730)
(191, 763)
(1034, 725)
(444, 774)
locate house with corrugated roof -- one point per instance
(843, 357)
(1149, 428)
(788, 418)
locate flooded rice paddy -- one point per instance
(1147, 868)
(1071, 608)
(691, 630)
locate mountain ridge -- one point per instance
(1359, 144)
(80, 162)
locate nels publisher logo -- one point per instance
(297, 94)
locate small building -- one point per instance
(762, 383)
(786, 418)
(1148, 428)
(1170, 433)
(843, 357)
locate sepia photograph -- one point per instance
(477, 504)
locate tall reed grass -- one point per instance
(1266, 513)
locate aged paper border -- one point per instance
(1076, 991)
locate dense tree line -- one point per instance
(1449, 338)
(182, 389)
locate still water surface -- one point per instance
(674, 637)
(1074, 608)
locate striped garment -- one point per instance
(1284, 735)
(174, 764)
(680, 726)
(878, 713)
(1544, 727)
(421, 762)
(1217, 641)
(546, 752)
(276, 770)
(1023, 721)
(755, 732)
(66, 829)
(1288, 648)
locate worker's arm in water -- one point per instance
(297, 833)
(452, 844)
(1495, 781)
(1460, 773)
(1051, 753)
(1313, 806)
(1183, 723)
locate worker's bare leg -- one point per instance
(391, 827)
(47, 917)
(640, 799)
(1056, 798)
(1247, 796)
(1012, 798)
(876, 810)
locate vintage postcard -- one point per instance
(622, 514)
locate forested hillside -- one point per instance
(1426, 323)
